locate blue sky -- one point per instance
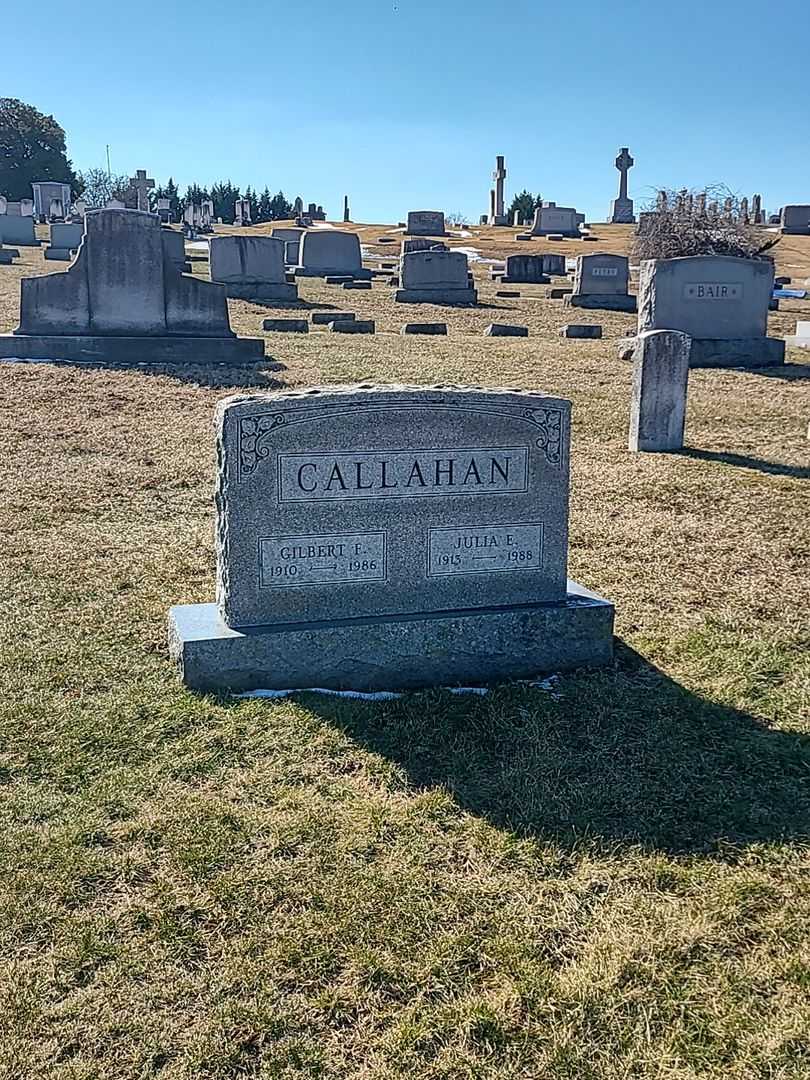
(403, 104)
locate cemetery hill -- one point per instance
(405, 662)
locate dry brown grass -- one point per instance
(602, 884)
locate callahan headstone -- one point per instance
(390, 537)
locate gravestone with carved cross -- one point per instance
(141, 184)
(621, 209)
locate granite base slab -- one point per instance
(619, 302)
(133, 350)
(361, 274)
(449, 648)
(718, 353)
(261, 290)
(445, 297)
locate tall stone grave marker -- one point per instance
(600, 281)
(251, 267)
(658, 401)
(390, 537)
(122, 301)
(141, 184)
(621, 209)
(497, 213)
(720, 301)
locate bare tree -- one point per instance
(705, 221)
(100, 186)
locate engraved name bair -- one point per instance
(398, 474)
(605, 271)
(713, 290)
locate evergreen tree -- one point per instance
(280, 209)
(525, 203)
(265, 211)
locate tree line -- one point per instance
(32, 147)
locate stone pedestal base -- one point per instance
(617, 302)
(357, 275)
(131, 351)
(621, 212)
(733, 352)
(504, 279)
(449, 648)
(261, 290)
(445, 297)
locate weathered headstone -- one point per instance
(174, 249)
(658, 402)
(720, 301)
(385, 537)
(435, 277)
(795, 220)
(65, 238)
(425, 223)
(18, 231)
(241, 211)
(524, 270)
(323, 252)
(292, 240)
(600, 281)
(422, 243)
(551, 220)
(122, 301)
(250, 267)
(164, 211)
(621, 209)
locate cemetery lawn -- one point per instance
(602, 878)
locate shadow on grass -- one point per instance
(789, 372)
(215, 376)
(742, 461)
(621, 756)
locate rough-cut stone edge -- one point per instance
(409, 652)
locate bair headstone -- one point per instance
(601, 281)
(720, 301)
(390, 537)
(250, 267)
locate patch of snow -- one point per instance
(475, 256)
(463, 233)
(322, 225)
(197, 245)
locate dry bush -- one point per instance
(709, 221)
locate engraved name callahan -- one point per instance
(396, 474)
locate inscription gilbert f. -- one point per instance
(373, 474)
